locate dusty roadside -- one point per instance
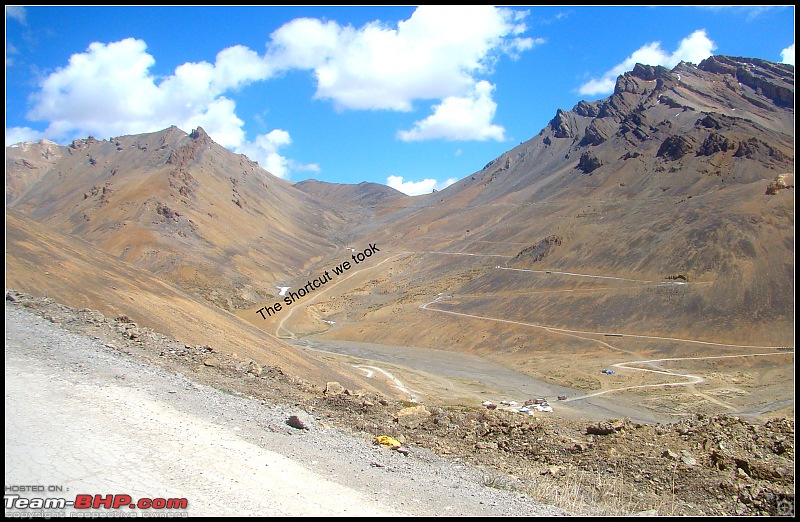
(87, 416)
(494, 462)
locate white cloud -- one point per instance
(415, 188)
(787, 55)
(694, 48)
(20, 134)
(557, 18)
(432, 55)
(264, 150)
(437, 54)
(109, 91)
(237, 66)
(304, 167)
(460, 118)
(751, 12)
(595, 87)
(16, 12)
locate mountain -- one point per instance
(665, 211)
(364, 194)
(177, 204)
(681, 175)
(70, 270)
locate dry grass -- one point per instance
(599, 493)
(587, 493)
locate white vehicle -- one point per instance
(543, 408)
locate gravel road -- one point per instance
(87, 419)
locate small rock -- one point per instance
(601, 428)
(413, 410)
(212, 362)
(412, 417)
(688, 459)
(301, 421)
(670, 454)
(402, 451)
(333, 388)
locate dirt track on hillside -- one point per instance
(94, 420)
(702, 465)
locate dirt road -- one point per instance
(86, 419)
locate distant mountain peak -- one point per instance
(773, 80)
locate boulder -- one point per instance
(212, 362)
(714, 143)
(588, 163)
(333, 388)
(675, 147)
(301, 421)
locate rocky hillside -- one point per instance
(179, 205)
(684, 172)
(364, 194)
(704, 465)
(681, 176)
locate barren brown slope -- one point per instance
(680, 176)
(674, 180)
(364, 194)
(181, 206)
(43, 262)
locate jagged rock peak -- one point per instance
(773, 80)
(723, 64)
(561, 126)
(199, 134)
(628, 82)
(584, 108)
(648, 73)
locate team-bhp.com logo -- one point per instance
(88, 502)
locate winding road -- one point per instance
(691, 379)
(688, 380)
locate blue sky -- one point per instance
(412, 97)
